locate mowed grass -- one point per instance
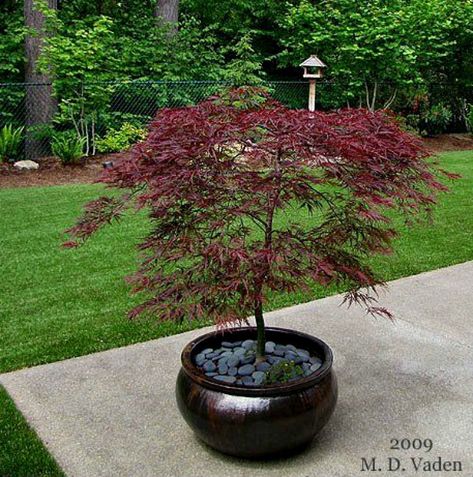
(22, 454)
(58, 303)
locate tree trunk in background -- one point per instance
(167, 11)
(40, 105)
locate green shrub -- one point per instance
(10, 141)
(117, 140)
(431, 121)
(436, 119)
(68, 146)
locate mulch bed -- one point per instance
(52, 172)
(449, 142)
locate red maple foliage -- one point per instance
(222, 182)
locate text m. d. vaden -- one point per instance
(409, 464)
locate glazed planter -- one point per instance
(263, 420)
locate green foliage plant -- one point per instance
(11, 41)
(435, 120)
(82, 61)
(431, 120)
(283, 372)
(117, 140)
(10, 142)
(245, 68)
(68, 147)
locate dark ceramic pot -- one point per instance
(259, 421)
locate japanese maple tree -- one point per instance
(216, 178)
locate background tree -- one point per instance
(414, 56)
(167, 12)
(384, 54)
(39, 104)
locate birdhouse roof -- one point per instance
(313, 61)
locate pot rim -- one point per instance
(198, 376)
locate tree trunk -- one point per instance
(260, 330)
(40, 105)
(167, 12)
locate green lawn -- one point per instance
(58, 303)
(22, 454)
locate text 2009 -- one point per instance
(416, 444)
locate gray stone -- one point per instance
(246, 370)
(211, 374)
(212, 355)
(249, 344)
(291, 347)
(247, 380)
(303, 352)
(26, 165)
(208, 366)
(274, 359)
(239, 351)
(279, 352)
(225, 379)
(263, 366)
(222, 369)
(259, 377)
(290, 355)
(226, 354)
(269, 347)
(200, 359)
(315, 367)
(222, 361)
(233, 371)
(228, 344)
(247, 359)
(314, 359)
(233, 361)
(206, 351)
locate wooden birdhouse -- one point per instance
(313, 67)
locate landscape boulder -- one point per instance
(26, 165)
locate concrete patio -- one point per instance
(114, 413)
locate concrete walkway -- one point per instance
(113, 413)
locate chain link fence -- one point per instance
(94, 109)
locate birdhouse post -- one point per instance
(313, 69)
